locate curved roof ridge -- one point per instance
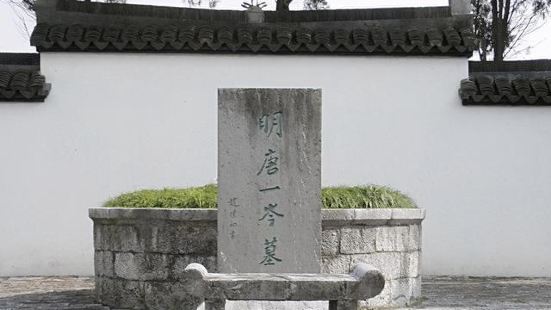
(526, 82)
(179, 13)
(20, 78)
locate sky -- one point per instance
(14, 38)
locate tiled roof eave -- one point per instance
(501, 89)
(23, 86)
(211, 39)
(18, 97)
(256, 49)
(505, 101)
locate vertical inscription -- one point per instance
(269, 151)
(233, 216)
(268, 124)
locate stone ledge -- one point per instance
(153, 214)
(372, 217)
(329, 216)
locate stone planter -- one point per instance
(140, 254)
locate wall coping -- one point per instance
(329, 216)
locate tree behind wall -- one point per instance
(501, 25)
(316, 5)
(30, 4)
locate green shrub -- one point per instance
(204, 197)
(364, 197)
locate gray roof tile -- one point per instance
(508, 83)
(20, 78)
(98, 27)
(207, 38)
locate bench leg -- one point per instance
(343, 305)
(215, 304)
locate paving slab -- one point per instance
(77, 293)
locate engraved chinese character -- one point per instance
(273, 188)
(270, 213)
(233, 202)
(271, 123)
(271, 163)
(269, 252)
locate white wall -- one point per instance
(116, 123)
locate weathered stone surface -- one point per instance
(372, 216)
(405, 291)
(336, 264)
(392, 238)
(416, 290)
(168, 295)
(330, 242)
(358, 240)
(141, 266)
(103, 263)
(192, 238)
(180, 263)
(407, 216)
(341, 217)
(116, 238)
(393, 265)
(398, 238)
(269, 180)
(275, 305)
(338, 217)
(363, 282)
(121, 293)
(415, 237)
(381, 300)
(148, 215)
(413, 260)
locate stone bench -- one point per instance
(343, 291)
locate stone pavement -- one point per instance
(76, 293)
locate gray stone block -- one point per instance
(269, 180)
(104, 215)
(169, 295)
(103, 263)
(347, 217)
(413, 260)
(98, 237)
(415, 237)
(120, 293)
(141, 266)
(117, 238)
(392, 238)
(407, 216)
(336, 264)
(180, 262)
(330, 242)
(276, 305)
(334, 217)
(182, 238)
(364, 282)
(393, 265)
(358, 240)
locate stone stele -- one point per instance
(269, 163)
